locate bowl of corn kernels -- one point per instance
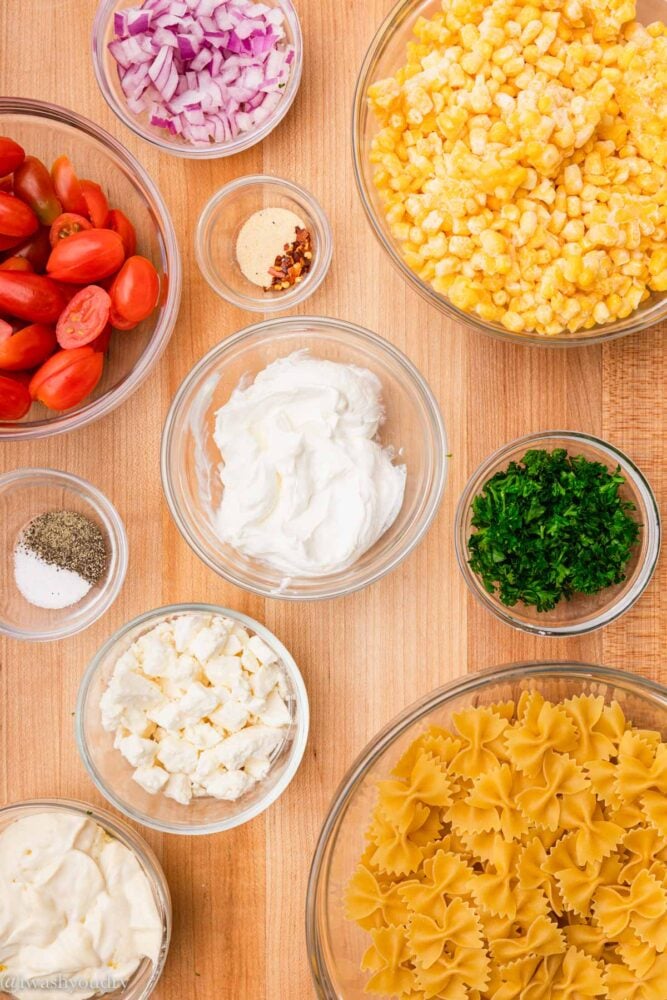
(512, 160)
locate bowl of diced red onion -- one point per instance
(198, 78)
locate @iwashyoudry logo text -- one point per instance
(11, 983)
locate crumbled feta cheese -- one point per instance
(249, 661)
(276, 712)
(185, 670)
(224, 671)
(255, 741)
(152, 779)
(168, 716)
(156, 655)
(233, 646)
(265, 680)
(138, 722)
(257, 767)
(137, 751)
(228, 784)
(231, 716)
(179, 788)
(197, 702)
(177, 755)
(261, 650)
(202, 735)
(186, 628)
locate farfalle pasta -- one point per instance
(520, 856)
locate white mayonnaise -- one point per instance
(75, 907)
(307, 487)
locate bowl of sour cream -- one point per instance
(304, 458)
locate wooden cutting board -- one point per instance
(239, 897)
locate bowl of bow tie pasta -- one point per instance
(504, 838)
(512, 160)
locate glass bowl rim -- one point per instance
(300, 292)
(155, 347)
(623, 601)
(302, 720)
(216, 150)
(348, 329)
(99, 502)
(131, 839)
(468, 684)
(393, 21)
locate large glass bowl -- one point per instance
(48, 131)
(583, 613)
(112, 774)
(191, 460)
(106, 71)
(385, 55)
(335, 945)
(144, 981)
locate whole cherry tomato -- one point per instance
(7, 184)
(68, 186)
(27, 348)
(102, 342)
(36, 249)
(96, 203)
(86, 257)
(33, 184)
(84, 317)
(67, 377)
(135, 290)
(30, 296)
(67, 224)
(16, 264)
(15, 399)
(22, 377)
(17, 219)
(120, 224)
(11, 155)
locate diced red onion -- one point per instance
(206, 70)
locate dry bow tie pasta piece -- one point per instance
(520, 856)
(521, 155)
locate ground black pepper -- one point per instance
(69, 540)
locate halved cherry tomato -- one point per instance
(16, 264)
(67, 377)
(86, 257)
(135, 291)
(68, 186)
(37, 249)
(16, 218)
(15, 399)
(96, 203)
(30, 296)
(66, 225)
(102, 342)
(27, 348)
(120, 224)
(84, 317)
(11, 155)
(33, 184)
(6, 330)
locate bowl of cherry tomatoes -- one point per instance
(90, 273)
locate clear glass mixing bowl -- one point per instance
(385, 55)
(191, 460)
(335, 945)
(48, 131)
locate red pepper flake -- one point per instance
(290, 267)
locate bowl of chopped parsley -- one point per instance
(558, 533)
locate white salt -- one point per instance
(44, 585)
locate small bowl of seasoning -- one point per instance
(64, 554)
(557, 533)
(263, 243)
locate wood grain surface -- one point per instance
(239, 897)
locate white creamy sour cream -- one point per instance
(75, 905)
(307, 487)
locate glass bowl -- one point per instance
(191, 460)
(106, 72)
(385, 55)
(26, 493)
(145, 979)
(218, 230)
(583, 613)
(335, 945)
(47, 131)
(111, 773)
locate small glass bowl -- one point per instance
(583, 613)
(335, 945)
(191, 460)
(219, 227)
(111, 773)
(106, 72)
(48, 131)
(145, 979)
(26, 493)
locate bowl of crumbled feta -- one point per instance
(192, 719)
